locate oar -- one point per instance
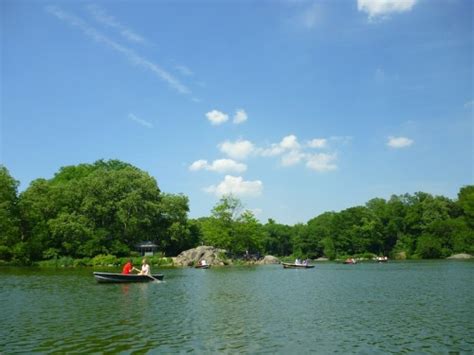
(154, 278)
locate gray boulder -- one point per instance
(269, 259)
(213, 256)
(460, 256)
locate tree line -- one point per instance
(108, 207)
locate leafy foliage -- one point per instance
(231, 229)
(10, 222)
(93, 214)
(90, 209)
(85, 210)
(178, 233)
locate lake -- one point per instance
(422, 307)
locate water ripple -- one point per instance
(423, 307)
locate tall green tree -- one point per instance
(231, 228)
(385, 224)
(249, 234)
(10, 227)
(277, 239)
(218, 230)
(300, 239)
(466, 203)
(356, 231)
(178, 233)
(84, 210)
(323, 228)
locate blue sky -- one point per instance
(297, 107)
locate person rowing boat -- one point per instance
(145, 268)
(128, 267)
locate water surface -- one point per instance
(365, 308)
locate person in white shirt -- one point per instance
(145, 268)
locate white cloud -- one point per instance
(318, 143)
(292, 158)
(216, 117)
(275, 149)
(240, 116)
(291, 152)
(237, 186)
(290, 142)
(140, 121)
(219, 165)
(239, 149)
(133, 57)
(227, 165)
(399, 142)
(382, 8)
(101, 16)
(198, 165)
(321, 162)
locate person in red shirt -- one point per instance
(128, 267)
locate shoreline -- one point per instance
(78, 264)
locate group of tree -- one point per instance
(90, 209)
(406, 226)
(110, 206)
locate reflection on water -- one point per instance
(364, 308)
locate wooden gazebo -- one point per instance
(147, 248)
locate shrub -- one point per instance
(157, 260)
(51, 253)
(83, 262)
(21, 254)
(5, 253)
(341, 257)
(105, 260)
(429, 247)
(64, 261)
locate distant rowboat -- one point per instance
(115, 277)
(296, 266)
(350, 261)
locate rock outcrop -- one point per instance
(213, 256)
(461, 256)
(269, 259)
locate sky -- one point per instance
(296, 107)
